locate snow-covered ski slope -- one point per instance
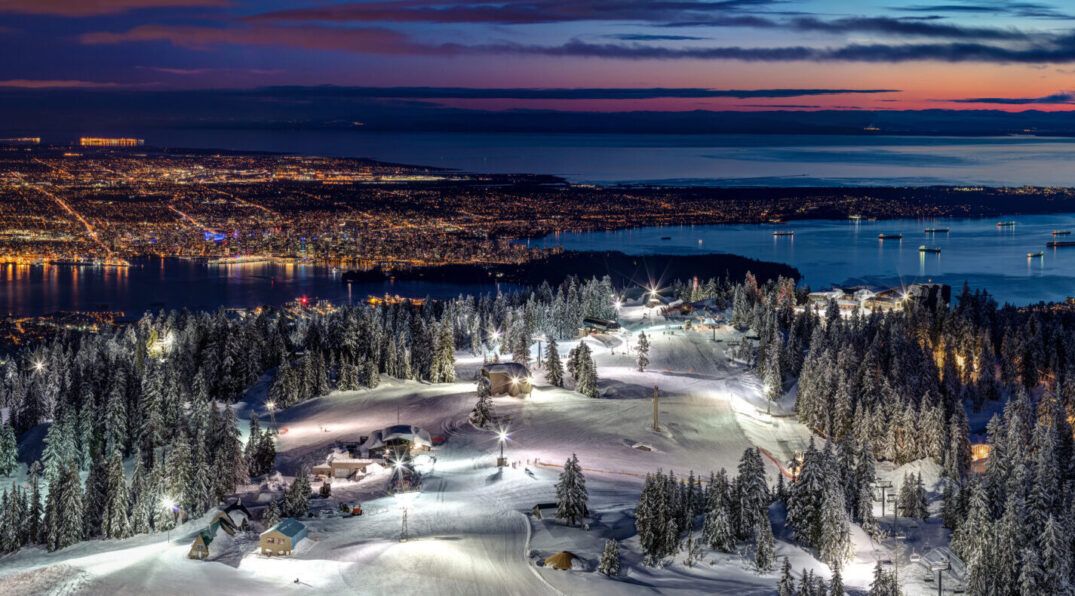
(470, 530)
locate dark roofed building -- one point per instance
(508, 378)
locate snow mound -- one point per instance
(55, 580)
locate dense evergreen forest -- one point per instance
(152, 397)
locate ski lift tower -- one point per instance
(883, 485)
(940, 566)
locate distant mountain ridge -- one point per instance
(318, 108)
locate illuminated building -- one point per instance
(110, 142)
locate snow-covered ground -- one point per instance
(470, 530)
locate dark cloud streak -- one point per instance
(563, 93)
(1061, 98)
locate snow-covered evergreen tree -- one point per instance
(585, 371)
(774, 378)
(610, 558)
(752, 493)
(65, 507)
(1055, 549)
(642, 349)
(272, 516)
(786, 585)
(9, 449)
(764, 545)
(884, 582)
(443, 365)
(717, 529)
(482, 414)
(297, 497)
(571, 495)
(115, 521)
(836, 588)
(554, 369)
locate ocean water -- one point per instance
(156, 284)
(842, 252)
(727, 160)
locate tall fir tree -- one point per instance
(554, 369)
(9, 449)
(642, 349)
(115, 521)
(571, 495)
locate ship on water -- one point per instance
(884, 236)
(930, 249)
(1061, 232)
(1060, 243)
(1006, 224)
(784, 233)
(856, 217)
(1034, 255)
(937, 230)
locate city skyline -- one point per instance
(725, 55)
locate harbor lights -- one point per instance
(502, 436)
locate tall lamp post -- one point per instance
(494, 339)
(271, 407)
(404, 498)
(502, 437)
(171, 506)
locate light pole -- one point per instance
(502, 437)
(404, 498)
(271, 407)
(494, 338)
(170, 505)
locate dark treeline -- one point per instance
(155, 394)
(897, 386)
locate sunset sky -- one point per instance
(738, 54)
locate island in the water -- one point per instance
(631, 271)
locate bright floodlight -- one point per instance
(270, 405)
(502, 435)
(495, 334)
(167, 503)
(39, 365)
(617, 303)
(514, 381)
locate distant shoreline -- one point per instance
(625, 271)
